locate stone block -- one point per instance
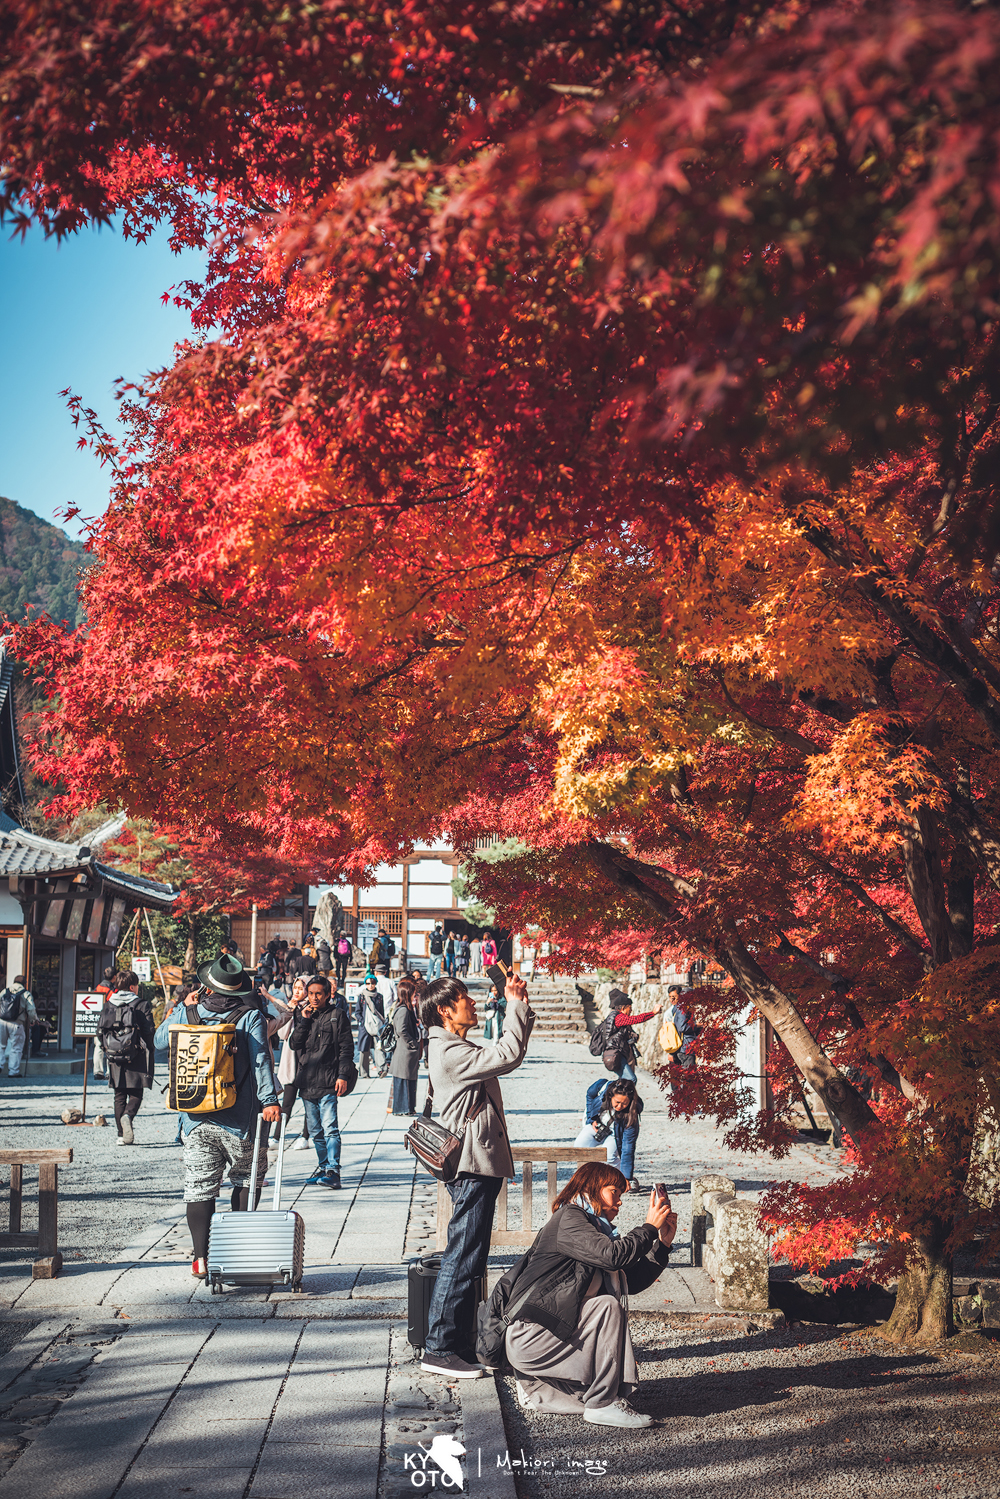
(967, 1309)
(700, 1188)
(740, 1254)
(989, 1295)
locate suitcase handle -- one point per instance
(252, 1204)
(283, 1122)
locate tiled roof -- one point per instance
(147, 892)
(24, 853)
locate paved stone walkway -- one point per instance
(135, 1380)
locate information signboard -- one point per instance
(86, 1013)
(144, 968)
(367, 932)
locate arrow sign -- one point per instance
(86, 1013)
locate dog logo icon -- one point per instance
(446, 1451)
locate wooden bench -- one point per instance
(528, 1155)
(49, 1261)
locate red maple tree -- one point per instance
(598, 395)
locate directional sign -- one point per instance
(86, 1013)
(144, 968)
(367, 932)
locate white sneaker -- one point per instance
(618, 1414)
(300, 1144)
(127, 1136)
(522, 1395)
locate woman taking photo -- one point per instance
(568, 1340)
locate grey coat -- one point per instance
(406, 1056)
(457, 1068)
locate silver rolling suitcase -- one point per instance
(257, 1248)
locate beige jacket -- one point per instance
(457, 1068)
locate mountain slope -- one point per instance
(39, 565)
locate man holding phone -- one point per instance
(321, 1037)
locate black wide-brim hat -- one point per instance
(226, 975)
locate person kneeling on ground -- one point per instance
(613, 1110)
(213, 1141)
(321, 1039)
(568, 1339)
(464, 1084)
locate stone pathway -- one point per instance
(136, 1381)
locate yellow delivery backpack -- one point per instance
(202, 1064)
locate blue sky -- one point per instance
(76, 314)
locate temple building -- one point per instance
(62, 912)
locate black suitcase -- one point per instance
(421, 1276)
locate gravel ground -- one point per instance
(109, 1193)
(11, 1334)
(808, 1411)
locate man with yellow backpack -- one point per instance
(221, 1079)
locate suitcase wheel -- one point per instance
(216, 1287)
(296, 1285)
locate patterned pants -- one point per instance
(208, 1150)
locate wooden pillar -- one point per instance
(405, 918)
(67, 984)
(49, 1261)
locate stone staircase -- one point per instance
(559, 1006)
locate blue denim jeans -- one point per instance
(624, 1154)
(451, 1317)
(434, 966)
(324, 1131)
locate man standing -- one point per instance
(126, 1033)
(342, 957)
(321, 1039)
(436, 952)
(685, 1025)
(17, 1013)
(324, 957)
(370, 1014)
(213, 1142)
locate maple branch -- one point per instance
(789, 737)
(839, 1095)
(903, 933)
(627, 873)
(879, 1061)
(789, 949)
(877, 586)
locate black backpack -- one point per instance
(437, 944)
(123, 1040)
(600, 1041)
(10, 1004)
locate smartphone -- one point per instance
(498, 974)
(662, 1193)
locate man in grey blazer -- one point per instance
(465, 1079)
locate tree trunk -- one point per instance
(923, 1311)
(190, 952)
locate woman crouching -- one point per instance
(566, 1300)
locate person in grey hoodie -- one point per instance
(464, 1085)
(126, 1033)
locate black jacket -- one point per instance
(325, 1048)
(549, 1283)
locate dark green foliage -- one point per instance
(40, 567)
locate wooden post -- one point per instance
(252, 965)
(526, 1183)
(16, 1189)
(49, 1262)
(86, 1054)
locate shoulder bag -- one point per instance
(436, 1148)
